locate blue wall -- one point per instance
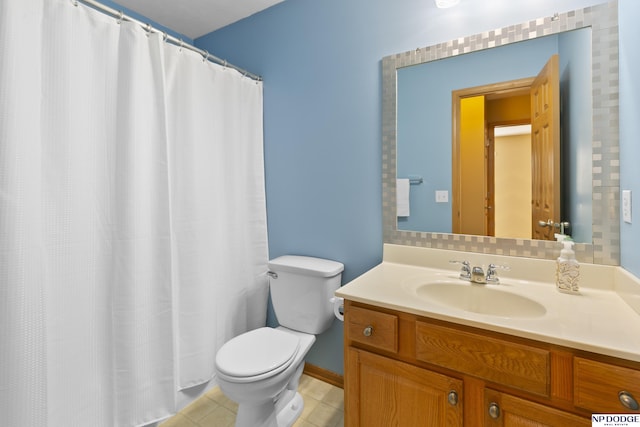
(322, 108)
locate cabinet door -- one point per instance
(387, 393)
(504, 410)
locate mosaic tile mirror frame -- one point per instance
(605, 246)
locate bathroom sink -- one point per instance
(482, 299)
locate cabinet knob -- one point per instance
(452, 398)
(494, 410)
(368, 331)
(628, 401)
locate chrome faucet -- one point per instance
(465, 270)
(492, 274)
(477, 275)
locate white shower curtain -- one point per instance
(132, 217)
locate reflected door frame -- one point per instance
(508, 88)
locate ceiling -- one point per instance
(195, 18)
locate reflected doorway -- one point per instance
(512, 180)
(477, 209)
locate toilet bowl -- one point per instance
(261, 369)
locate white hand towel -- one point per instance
(402, 197)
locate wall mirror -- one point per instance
(492, 170)
(418, 130)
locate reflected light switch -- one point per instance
(442, 196)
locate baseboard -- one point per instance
(324, 375)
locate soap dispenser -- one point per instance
(567, 269)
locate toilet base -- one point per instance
(262, 415)
(282, 412)
(291, 411)
(270, 415)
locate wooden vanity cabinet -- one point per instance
(386, 392)
(406, 370)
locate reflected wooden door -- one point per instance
(545, 150)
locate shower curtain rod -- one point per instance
(176, 41)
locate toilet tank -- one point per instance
(301, 291)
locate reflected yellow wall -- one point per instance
(513, 186)
(511, 109)
(472, 165)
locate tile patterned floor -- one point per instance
(323, 407)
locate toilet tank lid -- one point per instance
(306, 265)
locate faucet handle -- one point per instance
(492, 274)
(465, 270)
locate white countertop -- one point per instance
(597, 319)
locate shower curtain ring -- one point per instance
(165, 36)
(181, 44)
(148, 28)
(120, 17)
(74, 2)
(205, 57)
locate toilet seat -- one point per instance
(257, 354)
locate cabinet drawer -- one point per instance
(375, 329)
(516, 365)
(597, 385)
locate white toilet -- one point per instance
(260, 369)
